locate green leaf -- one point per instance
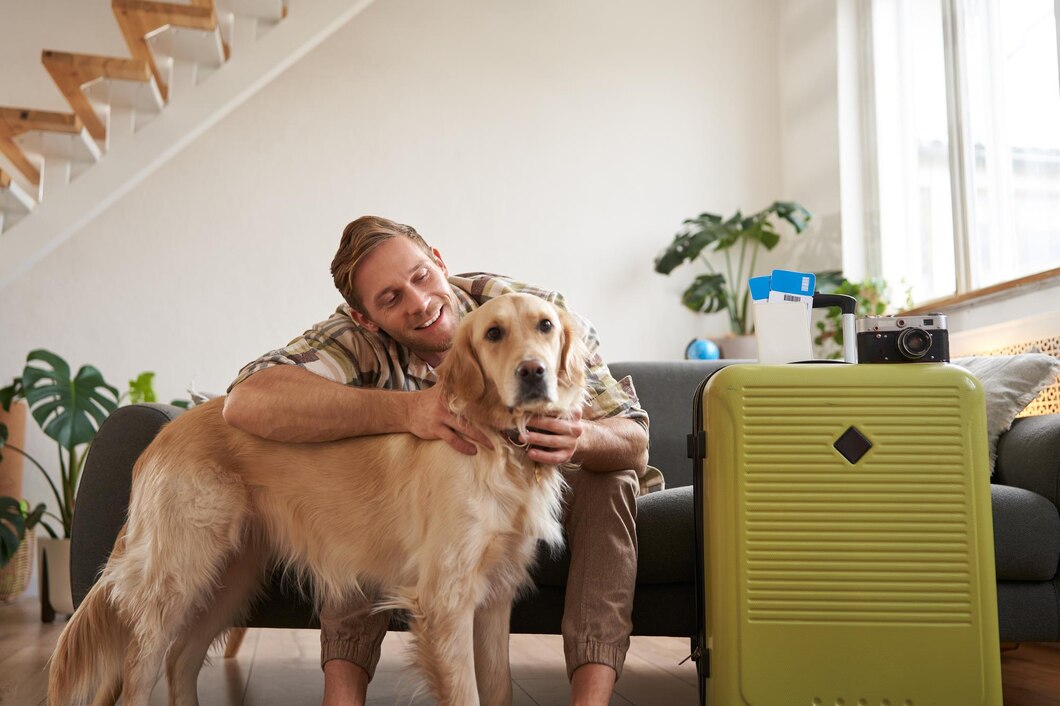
(67, 410)
(183, 404)
(706, 294)
(10, 393)
(34, 516)
(142, 388)
(793, 213)
(12, 528)
(688, 244)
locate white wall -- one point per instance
(558, 142)
(809, 130)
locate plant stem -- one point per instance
(734, 318)
(55, 491)
(64, 508)
(755, 247)
(743, 275)
(706, 262)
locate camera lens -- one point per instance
(914, 343)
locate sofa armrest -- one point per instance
(103, 494)
(1028, 456)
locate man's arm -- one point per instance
(610, 444)
(287, 403)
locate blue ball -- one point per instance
(702, 349)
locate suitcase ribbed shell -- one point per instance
(849, 547)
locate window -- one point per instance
(965, 100)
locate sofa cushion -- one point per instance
(665, 542)
(1010, 383)
(1026, 535)
(665, 391)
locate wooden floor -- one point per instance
(280, 668)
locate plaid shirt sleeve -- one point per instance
(608, 397)
(333, 349)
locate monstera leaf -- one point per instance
(67, 409)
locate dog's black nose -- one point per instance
(530, 370)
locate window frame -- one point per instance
(961, 158)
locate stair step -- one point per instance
(93, 84)
(134, 95)
(15, 202)
(22, 140)
(199, 46)
(140, 20)
(265, 9)
(73, 147)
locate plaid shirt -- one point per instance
(340, 350)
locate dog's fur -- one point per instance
(446, 536)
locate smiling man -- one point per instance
(369, 369)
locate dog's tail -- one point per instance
(88, 658)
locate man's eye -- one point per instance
(422, 275)
(494, 333)
(545, 326)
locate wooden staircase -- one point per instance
(190, 65)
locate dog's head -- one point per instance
(514, 356)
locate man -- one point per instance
(369, 369)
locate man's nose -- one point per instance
(418, 301)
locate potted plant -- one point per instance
(69, 410)
(17, 524)
(872, 297)
(727, 290)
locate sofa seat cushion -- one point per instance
(1026, 535)
(665, 540)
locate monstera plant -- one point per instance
(69, 409)
(739, 239)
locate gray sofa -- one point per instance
(1026, 495)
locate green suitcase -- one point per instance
(845, 537)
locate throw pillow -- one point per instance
(1010, 383)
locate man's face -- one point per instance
(406, 294)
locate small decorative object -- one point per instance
(727, 290)
(702, 349)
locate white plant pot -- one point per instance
(53, 567)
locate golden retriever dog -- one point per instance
(446, 536)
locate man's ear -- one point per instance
(574, 353)
(363, 321)
(441, 263)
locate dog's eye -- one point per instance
(494, 333)
(545, 326)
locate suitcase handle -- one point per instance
(848, 306)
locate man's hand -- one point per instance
(429, 417)
(553, 441)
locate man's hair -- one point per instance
(359, 238)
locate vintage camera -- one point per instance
(903, 339)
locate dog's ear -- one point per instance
(461, 375)
(574, 353)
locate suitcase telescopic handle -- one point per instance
(848, 306)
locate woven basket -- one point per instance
(14, 578)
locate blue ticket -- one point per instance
(759, 288)
(789, 282)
